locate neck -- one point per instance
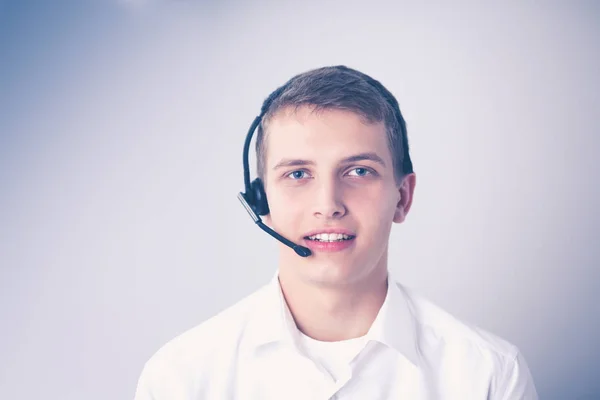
(334, 312)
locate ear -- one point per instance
(406, 190)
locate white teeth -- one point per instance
(329, 237)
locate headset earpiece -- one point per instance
(259, 197)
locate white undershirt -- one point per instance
(334, 357)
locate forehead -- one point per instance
(323, 135)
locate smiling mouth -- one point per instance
(329, 237)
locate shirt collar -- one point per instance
(272, 321)
(394, 325)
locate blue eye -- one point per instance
(360, 171)
(297, 175)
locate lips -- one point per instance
(330, 230)
(333, 246)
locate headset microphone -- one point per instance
(300, 250)
(254, 199)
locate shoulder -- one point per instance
(436, 324)
(222, 329)
(461, 348)
(188, 358)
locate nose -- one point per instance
(328, 200)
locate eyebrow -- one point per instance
(355, 158)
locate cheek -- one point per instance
(284, 209)
(374, 209)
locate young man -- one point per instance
(334, 162)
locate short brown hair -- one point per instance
(341, 88)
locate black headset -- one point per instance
(254, 199)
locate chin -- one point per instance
(330, 272)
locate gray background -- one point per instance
(121, 133)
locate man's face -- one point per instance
(329, 170)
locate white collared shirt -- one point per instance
(413, 350)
